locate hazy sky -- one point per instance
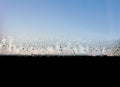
(64, 19)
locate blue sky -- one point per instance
(63, 19)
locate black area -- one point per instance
(58, 60)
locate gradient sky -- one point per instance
(63, 19)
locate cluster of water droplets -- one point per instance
(41, 47)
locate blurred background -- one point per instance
(60, 19)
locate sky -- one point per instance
(61, 19)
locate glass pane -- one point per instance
(60, 27)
